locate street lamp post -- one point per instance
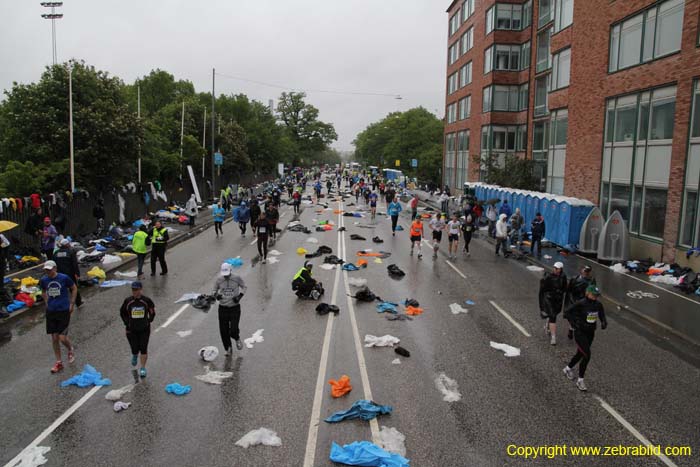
(70, 126)
(53, 16)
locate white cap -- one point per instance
(559, 265)
(225, 269)
(50, 265)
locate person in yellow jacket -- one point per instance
(138, 245)
(159, 241)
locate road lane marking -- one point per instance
(373, 424)
(312, 438)
(510, 318)
(456, 270)
(55, 425)
(255, 240)
(633, 430)
(173, 317)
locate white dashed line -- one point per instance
(173, 317)
(510, 318)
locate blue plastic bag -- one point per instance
(114, 283)
(89, 377)
(100, 248)
(350, 267)
(362, 409)
(387, 307)
(366, 454)
(15, 305)
(177, 389)
(234, 262)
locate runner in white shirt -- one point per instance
(453, 236)
(437, 225)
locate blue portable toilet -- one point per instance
(519, 202)
(554, 230)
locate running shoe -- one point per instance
(58, 366)
(420, 256)
(228, 352)
(134, 360)
(71, 356)
(553, 340)
(581, 385)
(264, 261)
(142, 372)
(569, 373)
(239, 344)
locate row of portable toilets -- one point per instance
(570, 222)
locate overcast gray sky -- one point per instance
(383, 46)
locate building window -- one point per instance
(501, 98)
(525, 56)
(452, 83)
(690, 221)
(465, 108)
(467, 10)
(455, 23)
(637, 158)
(561, 69)
(450, 153)
(500, 138)
(544, 58)
(508, 17)
(541, 90)
(545, 11)
(465, 75)
(452, 113)
(540, 147)
(556, 155)
(563, 14)
(467, 40)
(462, 158)
(453, 53)
(502, 57)
(651, 34)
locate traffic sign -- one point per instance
(398, 163)
(218, 158)
(414, 163)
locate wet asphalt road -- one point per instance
(651, 381)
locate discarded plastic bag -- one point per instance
(362, 409)
(120, 406)
(234, 262)
(362, 263)
(357, 281)
(312, 240)
(214, 377)
(29, 282)
(262, 436)
(208, 353)
(116, 394)
(274, 253)
(392, 440)
(350, 267)
(448, 387)
(396, 361)
(619, 268)
(187, 297)
(327, 266)
(456, 309)
(340, 387)
(125, 274)
(178, 389)
(89, 377)
(97, 273)
(301, 251)
(383, 341)
(535, 269)
(366, 454)
(32, 456)
(255, 338)
(110, 284)
(111, 259)
(509, 351)
(414, 311)
(386, 307)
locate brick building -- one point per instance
(603, 94)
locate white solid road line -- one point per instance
(173, 317)
(54, 425)
(455, 268)
(312, 438)
(633, 430)
(510, 318)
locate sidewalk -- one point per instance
(658, 303)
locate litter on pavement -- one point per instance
(312, 240)
(263, 436)
(301, 251)
(325, 308)
(111, 259)
(187, 297)
(535, 268)
(362, 409)
(119, 406)
(387, 307)
(234, 262)
(273, 260)
(357, 281)
(89, 377)
(113, 283)
(116, 394)
(97, 273)
(327, 266)
(395, 271)
(350, 267)
(340, 387)
(214, 377)
(398, 317)
(366, 454)
(403, 352)
(383, 341)
(125, 274)
(392, 440)
(414, 311)
(208, 353)
(255, 338)
(508, 350)
(448, 387)
(177, 389)
(184, 333)
(396, 361)
(378, 260)
(274, 253)
(619, 268)
(469, 302)
(456, 309)
(33, 456)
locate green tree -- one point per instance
(512, 171)
(21, 178)
(233, 146)
(309, 135)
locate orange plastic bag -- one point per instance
(338, 211)
(414, 310)
(362, 263)
(654, 271)
(370, 253)
(341, 387)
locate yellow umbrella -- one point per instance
(7, 225)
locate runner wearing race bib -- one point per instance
(137, 313)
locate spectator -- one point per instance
(98, 212)
(538, 233)
(191, 209)
(505, 209)
(48, 238)
(516, 223)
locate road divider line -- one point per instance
(55, 425)
(456, 270)
(373, 424)
(173, 317)
(628, 426)
(312, 437)
(510, 318)
(255, 240)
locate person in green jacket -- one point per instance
(138, 244)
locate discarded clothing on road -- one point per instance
(456, 309)
(365, 295)
(208, 353)
(372, 254)
(257, 337)
(97, 273)
(357, 281)
(401, 351)
(89, 377)
(184, 333)
(508, 350)
(383, 341)
(203, 302)
(119, 406)
(350, 267)
(362, 409)
(114, 283)
(322, 250)
(398, 317)
(298, 228)
(129, 274)
(116, 394)
(340, 387)
(366, 454)
(357, 237)
(392, 440)
(377, 240)
(395, 271)
(328, 267)
(262, 436)
(385, 307)
(448, 387)
(414, 310)
(312, 240)
(178, 389)
(411, 302)
(188, 297)
(535, 269)
(234, 262)
(302, 251)
(325, 308)
(332, 259)
(214, 377)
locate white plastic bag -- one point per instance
(456, 309)
(448, 387)
(508, 350)
(214, 377)
(392, 440)
(255, 338)
(111, 259)
(383, 341)
(262, 436)
(208, 353)
(116, 394)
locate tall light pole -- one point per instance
(53, 16)
(204, 141)
(182, 134)
(70, 126)
(213, 136)
(138, 116)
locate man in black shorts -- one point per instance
(137, 312)
(59, 293)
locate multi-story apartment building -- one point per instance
(604, 95)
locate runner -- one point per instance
(394, 209)
(138, 246)
(584, 314)
(67, 263)
(417, 235)
(137, 313)
(59, 292)
(296, 196)
(576, 291)
(468, 228)
(453, 228)
(242, 216)
(263, 227)
(219, 215)
(273, 216)
(414, 206)
(254, 214)
(552, 289)
(229, 290)
(159, 243)
(373, 204)
(437, 225)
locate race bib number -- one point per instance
(592, 317)
(262, 229)
(227, 293)
(138, 312)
